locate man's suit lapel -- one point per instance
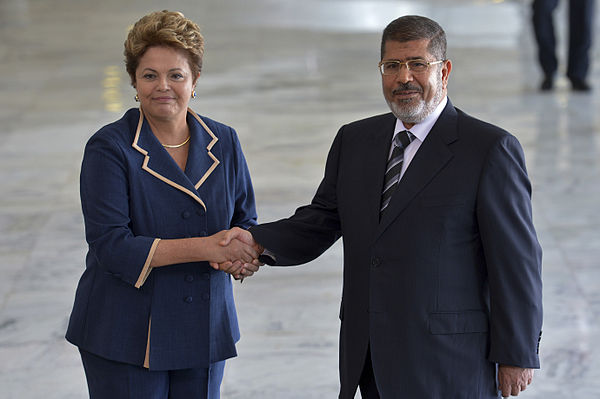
(432, 156)
(374, 164)
(157, 161)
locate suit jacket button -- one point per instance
(188, 299)
(185, 214)
(189, 278)
(375, 261)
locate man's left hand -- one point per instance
(513, 380)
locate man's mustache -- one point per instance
(407, 87)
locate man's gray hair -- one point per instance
(415, 27)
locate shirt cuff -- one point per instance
(267, 257)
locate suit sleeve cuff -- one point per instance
(147, 268)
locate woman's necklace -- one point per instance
(177, 145)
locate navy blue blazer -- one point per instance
(133, 194)
(448, 283)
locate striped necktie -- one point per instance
(394, 167)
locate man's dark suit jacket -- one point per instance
(448, 283)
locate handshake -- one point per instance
(236, 252)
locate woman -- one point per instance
(151, 318)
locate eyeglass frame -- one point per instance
(400, 63)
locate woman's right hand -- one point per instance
(212, 249)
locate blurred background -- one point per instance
(286, 74)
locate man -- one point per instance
(442, 275)
(581, 24)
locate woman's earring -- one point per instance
(193, 93)
(137, 98)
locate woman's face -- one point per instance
(164, 83)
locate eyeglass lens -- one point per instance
(393, 67)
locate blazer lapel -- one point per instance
(201, 161)
(159, 163)
(374, 161)
(431, 157)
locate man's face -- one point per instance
(413, 96)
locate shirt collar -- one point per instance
(421, 129)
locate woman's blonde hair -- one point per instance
(164, 28)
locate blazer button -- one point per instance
(189, 278)
(185, 214)
(188, 299)
(375, 261)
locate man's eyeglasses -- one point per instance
(392, 67)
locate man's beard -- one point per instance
(416, 113)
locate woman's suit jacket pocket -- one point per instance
(470, 321)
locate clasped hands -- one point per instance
(236, 253)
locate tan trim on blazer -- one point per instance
(208, 147)
(167, 180)
(147, 269)
(147, 356)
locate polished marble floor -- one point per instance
(286, 74)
